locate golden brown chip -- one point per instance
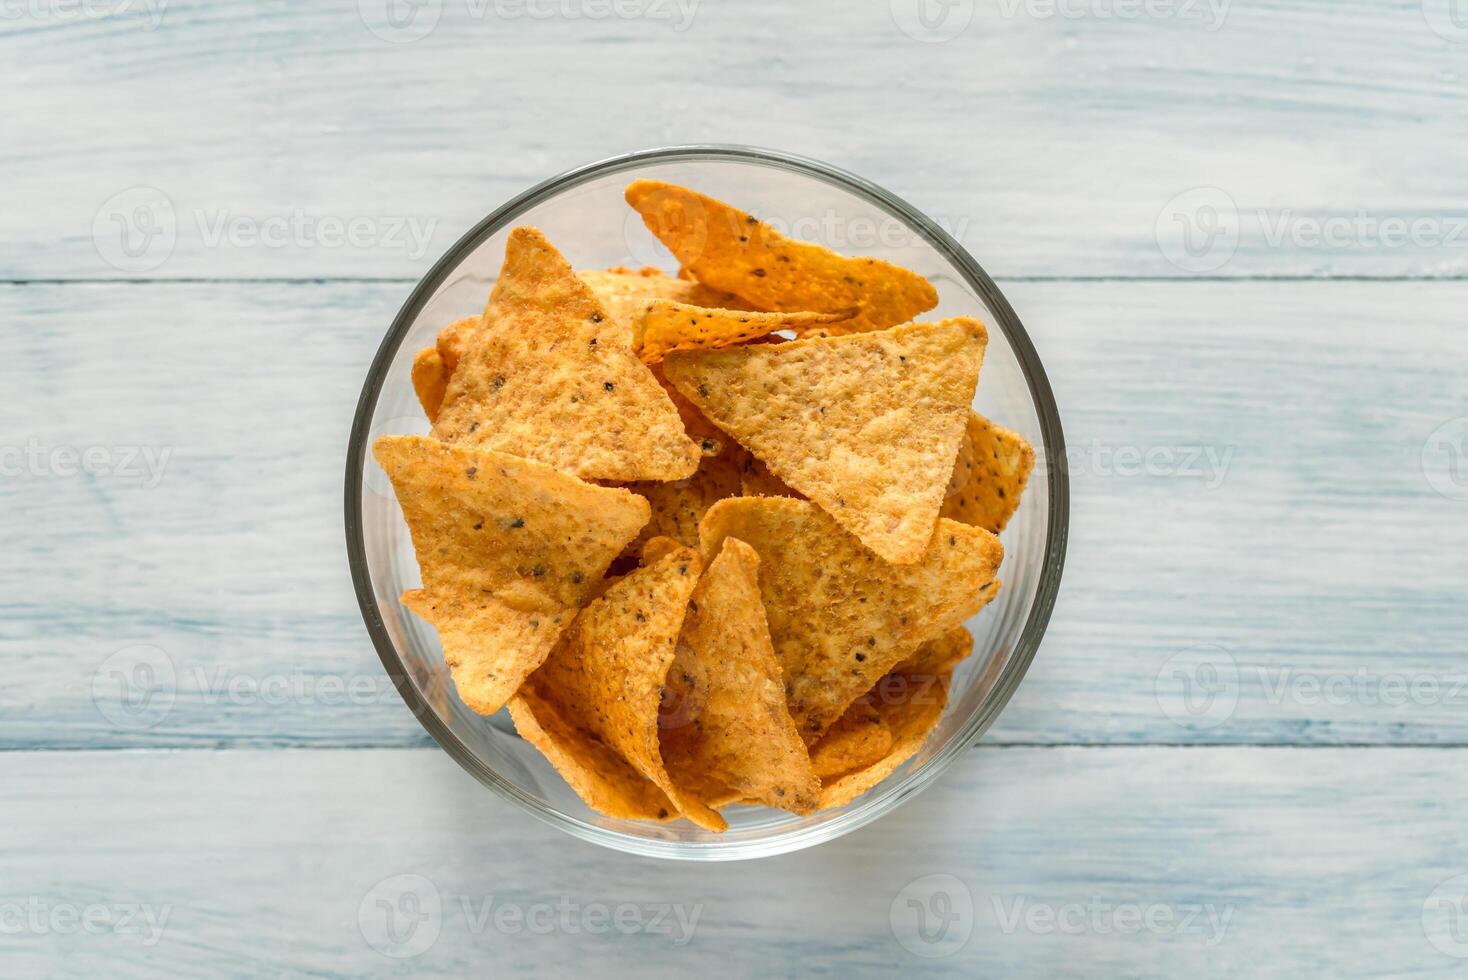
(608, 671)
(858, 738)
(625, 293)
(508, 549)
(551, 377)
(941, 654)
(429, 380)
(707, 436)
(731, 250)
(989, 477)
(867, 425)
(839, 616)
(725, 724)
(601, 777)
(911, 708)
(678, 506)
(669, 326)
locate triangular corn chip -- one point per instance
(669, 326)
(430, 378)
(910, 708)
(608, 671)
(508, 549)
(867, 425)
(725, 725)
(839, 616)
(731, 250)
(625, 293)
(552, 377)
(601, 777)
(989, 477)
(859, 738)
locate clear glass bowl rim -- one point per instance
(1054, 472)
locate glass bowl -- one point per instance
(584, 215)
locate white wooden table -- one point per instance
(1238, 234)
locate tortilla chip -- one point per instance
(839, 616)
(625, 293)
(989, 477)
(601, 777)
(669, 326)
(707, 436)
(429, 380)
(725, 725)
(910, 709)
(867, 426)
(731, 250)
(859, 738)
(756, 480)
(456, 338)
(941, 654)
(609, 669)
(508, 549)
(551, 377)
(679, 506)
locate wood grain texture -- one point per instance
(1052, 143)
(1148, 862)
(1303, 584)
(1267, 533)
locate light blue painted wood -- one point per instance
(1302, 585)
(1311, 560)
(1148, 862)
(1053, 144)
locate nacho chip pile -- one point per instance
(704, 564)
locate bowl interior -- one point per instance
(585, 216)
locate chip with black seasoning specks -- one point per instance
(508, 549)
(990, 474)
(725, 727)
(867, 426)
(608, 672)
(550, 376)
(732, 250)
(840, 617)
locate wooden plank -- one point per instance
(1149, 862)
(1078, 138)
(1320, 559)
